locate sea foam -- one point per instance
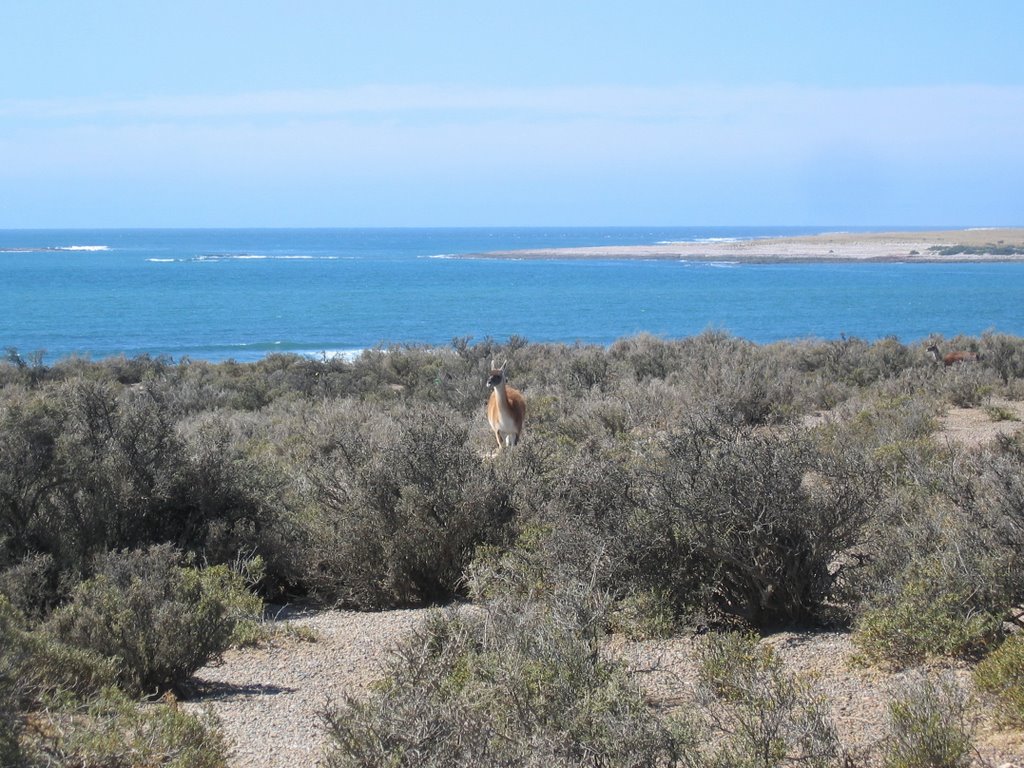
(215, 257)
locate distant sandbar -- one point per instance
(978, 244)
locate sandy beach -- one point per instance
(983, 244)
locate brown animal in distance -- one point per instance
(952, 358)
(506, 407)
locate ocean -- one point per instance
(244, 293)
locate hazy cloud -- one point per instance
(779, 153)
(694, 102)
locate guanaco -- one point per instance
(952, 358)
(506, 407)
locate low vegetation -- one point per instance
(148, 507)
(1001, 675)
(992, 250)
(521, 683)
(929, 726)
(758, 714)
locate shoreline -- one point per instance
(909, 247)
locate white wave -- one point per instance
(701, 240)
(709, 264)
(307, 258)
(82, 248)
(346, 355)
(161, 261)
(261, 257)
(441, 256)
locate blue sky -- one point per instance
(226, 113)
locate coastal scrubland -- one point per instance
(150, 508)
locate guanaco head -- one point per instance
(497, 377)
(934, 349)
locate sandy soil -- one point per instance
(974, 426)
(838, 246)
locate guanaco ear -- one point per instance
(504, 363)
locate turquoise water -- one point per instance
(217, 294)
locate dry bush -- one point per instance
(160, 621)
(739, 381)
(1001, 675)
(29, 468)
(1003, 354)
(713, 521)
(113, 730)
(932, 612)
(760, 715)
(647, 357)
(754, 520)
(929, 726)
(519, 683)
(401, 503)
(76, 715)
(948, 568)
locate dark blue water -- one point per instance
(216, 294)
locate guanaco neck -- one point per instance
(502, 397)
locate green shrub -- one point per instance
(112, 730)
(646, 356)
(1001, 674)
(29, 429)
(29, 585)
(160, 621)
(996, 520)
(37, 670)
(1000, 413)
(643, 615)
(929, 727)
(931, 614)
(951, 567)
(243, 608)
(38, 673)
(10, 719)
(515, 684)
(761, 716)
(88, 466)
(401, 502)
(753, 520)
(78, 717)
(968, 386)
(853, 362)
(1004, 354)
(10, 727)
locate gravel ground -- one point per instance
(268, 699)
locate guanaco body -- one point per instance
(506, 408)
(952, 358)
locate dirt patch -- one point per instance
(977, 426)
